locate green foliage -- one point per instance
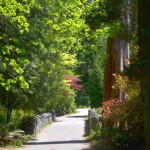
(113, 135)
(36, 39)
(42, 41)
(102, 13)
(95, 133)
(94, 137)
(2, 114)
(82, 100)
(62, 106)
(14, 24)
(12, 138)
(4, 129)
(93, 56)
(133, 70)
(117, 18)
(95, 84)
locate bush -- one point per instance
(95, 133)
(123, 119)
(117, 119)
(8, 136)
(62, 106)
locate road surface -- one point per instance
(67, 133)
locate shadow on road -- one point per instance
(58, 142)
(86, 128)
(77, 116)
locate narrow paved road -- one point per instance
(67, 133)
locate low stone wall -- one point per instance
(93, 118)
(32, 125)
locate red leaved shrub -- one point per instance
(74, 82)
(110, 110)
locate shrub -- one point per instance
(8, 136)
(123, 119)
(110, 110)
(62, 106)
(95, 133)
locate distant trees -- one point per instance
(92, 64)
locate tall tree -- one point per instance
(144, 53)
(34, 35)
(13, 24)
(114, 16)
(92, 68)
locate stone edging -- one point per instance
(93, 118)
(32, 125)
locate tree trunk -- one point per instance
(9, 107)
(144, 53)
(9, 112)
(117, 54)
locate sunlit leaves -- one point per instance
(39, 42)
(14, 12)
(69, 60)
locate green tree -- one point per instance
(13, 25)
(92, 59)
(34, 35)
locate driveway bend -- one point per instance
(67, 133)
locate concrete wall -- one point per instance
(32, 125)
